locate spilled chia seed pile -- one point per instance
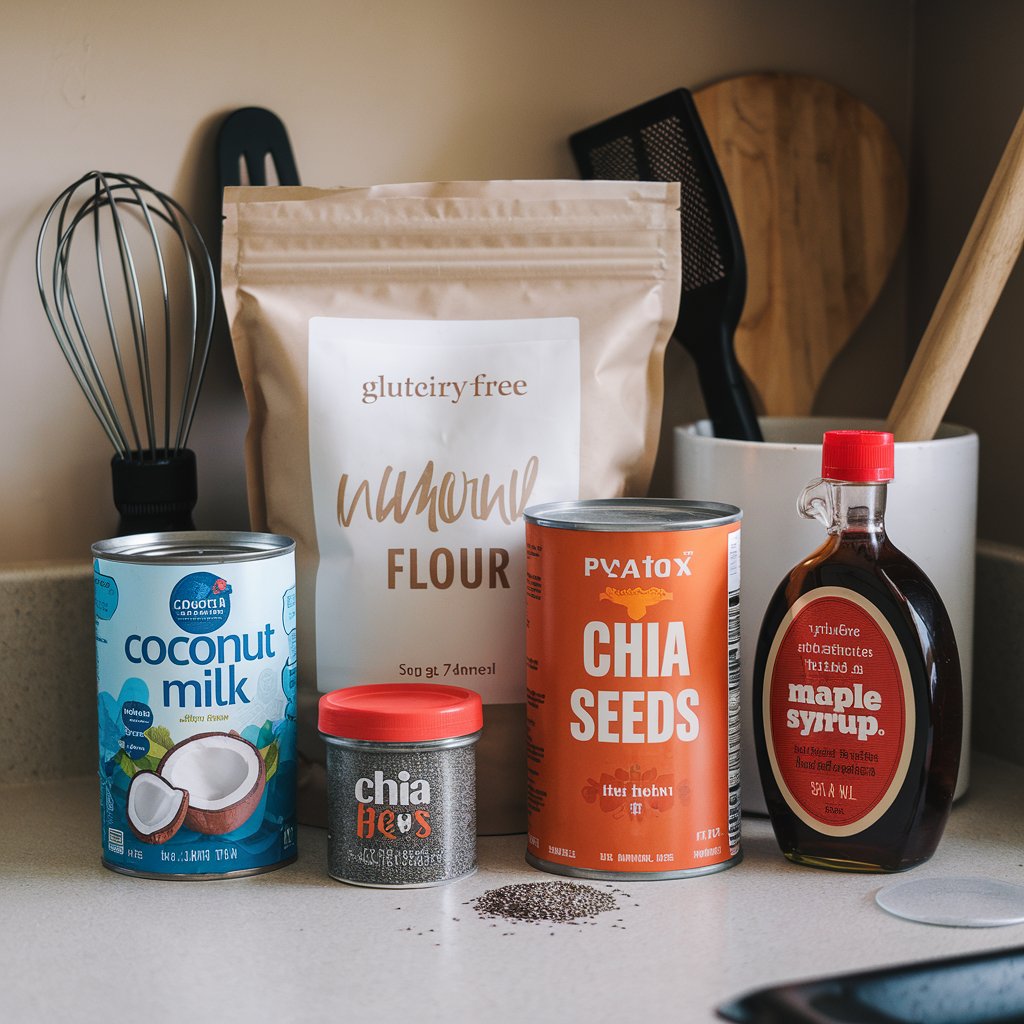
(546, 903)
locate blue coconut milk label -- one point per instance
(197, 681)
(201, 602)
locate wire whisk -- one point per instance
(143, 380)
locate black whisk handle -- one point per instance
(154, 491)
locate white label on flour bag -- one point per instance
(427, 441)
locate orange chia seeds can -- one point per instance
(633, 684)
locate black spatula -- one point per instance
(252, 135)
(664, 140)
(256, 138)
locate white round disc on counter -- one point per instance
(962, 902)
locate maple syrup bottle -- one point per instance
(857, 694)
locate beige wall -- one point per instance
(389, 91)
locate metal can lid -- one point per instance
(633, 515)
(194, 547)
(400, 712)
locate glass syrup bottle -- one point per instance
(857, 693)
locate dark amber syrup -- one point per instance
(908, 832)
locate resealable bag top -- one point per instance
(421, 363)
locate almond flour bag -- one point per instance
(420, 363)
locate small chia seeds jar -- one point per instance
(401, 783)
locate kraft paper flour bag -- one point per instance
(421, 363)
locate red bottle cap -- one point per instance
(859, 456)
(401, 712)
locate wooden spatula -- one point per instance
(819, 190)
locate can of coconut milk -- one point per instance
(633, 680)
(195, 661)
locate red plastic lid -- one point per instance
(859, 456)
(401, 712)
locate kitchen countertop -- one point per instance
(82, 943)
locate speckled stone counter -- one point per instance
(83, 944)
(47, 672)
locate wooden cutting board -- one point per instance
(820, 194)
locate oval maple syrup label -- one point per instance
(838, 711)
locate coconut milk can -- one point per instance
(195, 661)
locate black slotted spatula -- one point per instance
(254, 135)
(255, 138)
(664, 140)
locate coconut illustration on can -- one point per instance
(224, 776)
(211, 783)
(156, 810)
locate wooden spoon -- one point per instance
(967, 301)
(819, 190)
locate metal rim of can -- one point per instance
(633, 515)
(568, 871)
(209, 876)
(405, 885)
(194, 547)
